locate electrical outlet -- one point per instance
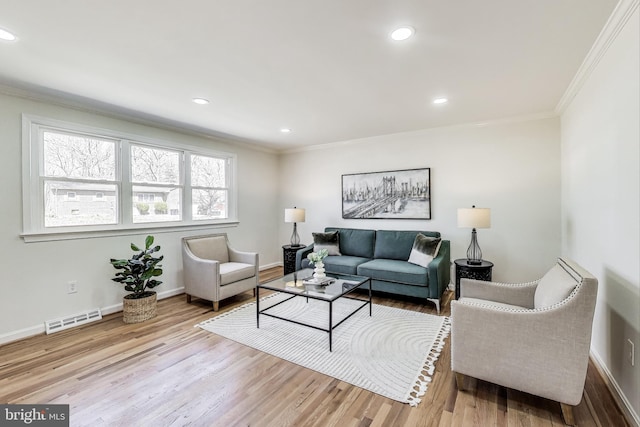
(72, 287)
(630, 351)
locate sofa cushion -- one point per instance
(231, 272)
(555, 286)
(355, 242)
(424, 250)
(397, 244)
(395, 271)
(343, 264)
(328, 241)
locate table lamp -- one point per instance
(295, 216)
(474, 218)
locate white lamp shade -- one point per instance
(294, 215)
(474, 218)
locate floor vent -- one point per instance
(71, 321)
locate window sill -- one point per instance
(49, 236)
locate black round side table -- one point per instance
(470, 271)
(289, 257)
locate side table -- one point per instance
(289, 257)
(468, 271)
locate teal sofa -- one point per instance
(382, 255)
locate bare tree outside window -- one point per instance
(160, 199)
(80, 179)
(153, 165)
(77, 169)
(209, 183)
(72, 156)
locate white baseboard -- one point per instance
(268, 266)
(161, 295)
(618, 395)
(22, 334)
(40, 329)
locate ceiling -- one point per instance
(326, 69)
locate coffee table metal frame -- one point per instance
(279, 285)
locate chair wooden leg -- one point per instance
(459, 381)
(188, 299)
(254, 292)
(567, 414)
(216, 305)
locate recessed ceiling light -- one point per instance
(285, 130)
(7, 36)
(402, 33)
(201, 101)
(440, 101)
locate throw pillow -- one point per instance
(329, 241)
(555, 286)
(424, 250)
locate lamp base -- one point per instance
(474, 254)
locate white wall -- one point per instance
(512, 168)
(33, 285)
(601, 201)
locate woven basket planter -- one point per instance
(136, 310)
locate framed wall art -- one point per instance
(400, 194)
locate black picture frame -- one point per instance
(398, 194)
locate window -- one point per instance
(79, 179)
(75, 166)
(156, 184)
(208, 187)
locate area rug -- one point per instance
(392, 353)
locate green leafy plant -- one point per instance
(316, 257)
(140, 271)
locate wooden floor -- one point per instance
(166, 372)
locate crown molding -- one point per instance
(617, 21)
(95, 107)
(476, 124)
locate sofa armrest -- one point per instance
(520, 294)
(440, 271)
(302, 254)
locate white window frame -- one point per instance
(33, 171)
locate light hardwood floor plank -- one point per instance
(166, 372)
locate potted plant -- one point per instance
(138, 274)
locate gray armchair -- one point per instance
(533, 337)
(212, 270)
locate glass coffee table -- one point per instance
(292, 284)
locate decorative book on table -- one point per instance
(322, 281)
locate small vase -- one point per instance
(318, 271)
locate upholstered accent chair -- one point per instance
(533, 337)
(213, 270)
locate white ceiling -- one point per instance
(327, 69)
